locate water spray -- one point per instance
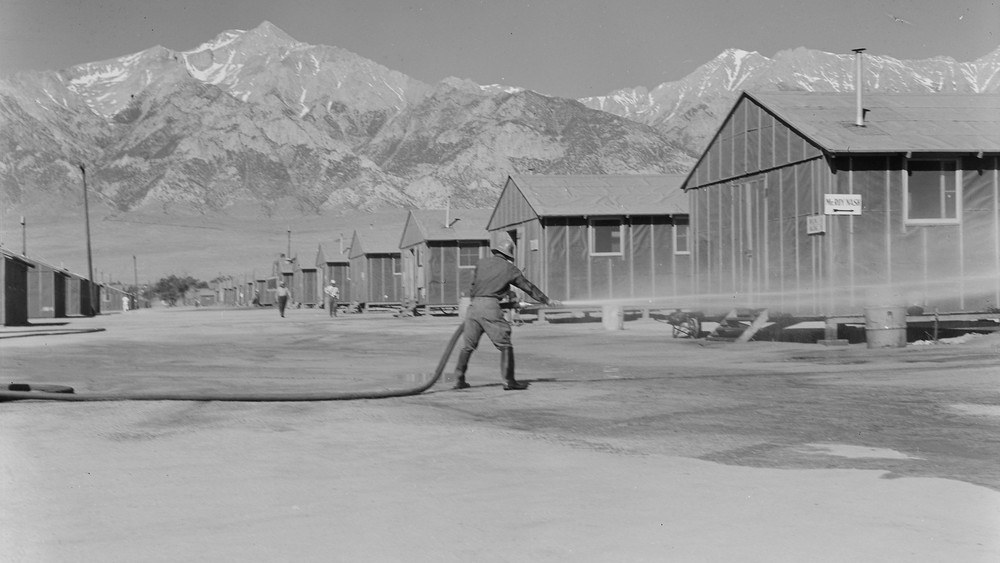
(821, 299)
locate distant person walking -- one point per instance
(491, 282)
(282, 293)
(332, 296)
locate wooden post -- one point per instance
(755, 326)
(90, 261)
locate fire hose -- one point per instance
(53, 392)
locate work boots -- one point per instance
(507, 369)
(461, 365)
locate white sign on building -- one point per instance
(842, 204)
(815, 224)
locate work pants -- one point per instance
(484, 315)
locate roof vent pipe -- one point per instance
(859, 118)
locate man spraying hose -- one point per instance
(491, 282)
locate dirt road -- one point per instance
(629, 446)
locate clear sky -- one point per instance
(571, 48)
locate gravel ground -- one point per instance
(629, 446)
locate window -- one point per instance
(469, 254)
(932, 192)
(512, 234)
(606, 236)
(681, 232)
(396, 270)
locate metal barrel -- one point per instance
(885, 327)
(613, 317)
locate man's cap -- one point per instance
(505, 247)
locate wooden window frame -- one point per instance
(921, 221)
(591, 234)
(686, 223)
(469, 245)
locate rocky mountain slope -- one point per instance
(255, 120)
(257, 117)
(688, 111)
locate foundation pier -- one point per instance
(830, 333)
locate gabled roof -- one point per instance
(47, 266)
(15, 257)
(626, 194)
(330, 253)
(284, 264)
(894, 123)
(376, 239)
(424, 225)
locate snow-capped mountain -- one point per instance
(689, 110)
(257, 117)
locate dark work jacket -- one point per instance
(494, 276)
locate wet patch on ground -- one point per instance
(978, 410)
(854, 452)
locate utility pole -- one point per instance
(86, 219)
(24, 238)
(289, 255)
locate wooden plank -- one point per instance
(731, 315)
(757, 324)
